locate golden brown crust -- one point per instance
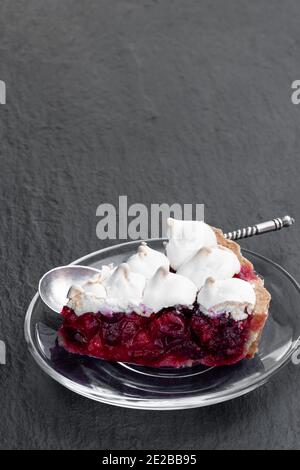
(233, 246)
(263, 297)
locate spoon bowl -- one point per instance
(54, 285)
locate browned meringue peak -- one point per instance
(186, 237)
(232, 296)
(103, 276)
(146, 261)
(125, 286)
(167, 289)
(82, 299)
(90, 295)
(217, 262)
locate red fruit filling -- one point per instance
(173, 337)
(246, 273)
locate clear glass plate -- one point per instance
(168, 389)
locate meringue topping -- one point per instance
(125, 286)
(232, 296)
(218, 262)
(103, 276)
(144, 284)
(186, 238)
(146, 261)
(114, 289)
(86, 298)
(167, 289)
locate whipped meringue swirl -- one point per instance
(147, 261)
(232, 296)
(166, 289)
(186, 238)
(217, 262)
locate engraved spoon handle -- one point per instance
(263, 227)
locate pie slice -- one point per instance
(201, 303)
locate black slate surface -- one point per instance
(163, 101)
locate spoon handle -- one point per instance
(263, 227)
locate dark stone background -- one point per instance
(163, 101)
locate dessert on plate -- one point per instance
(200, 302)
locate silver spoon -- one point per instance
(55, 284)
(263, 227)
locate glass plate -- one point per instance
(168, 389)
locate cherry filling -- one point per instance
(246, 273)
(173, 337)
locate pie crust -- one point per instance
(263, 297)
